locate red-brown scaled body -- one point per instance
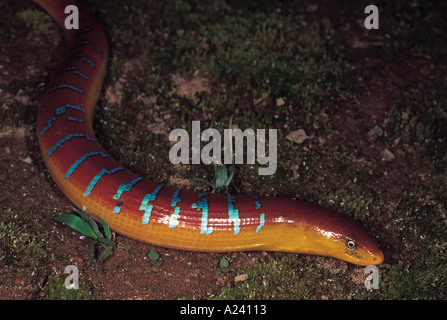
(162, 215)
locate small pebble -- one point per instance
(27, 160)
(387, 155)
(241, 277)
(280, 102)
(298, 136)
(375, 132)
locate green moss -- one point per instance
(56, 290)
(20, 248)
(424, 281)
(39, 23)
(283, 277)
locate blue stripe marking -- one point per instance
(75, 119)
(68, 69)
(66, 86)
(117, 208)
(88, 29)
(82, 43)
(75, 72)
(90, 62)
(63, 109)
(202, 204)
(99, 176)
(81, 74)
(48, 126)
(233, 214)
(82, 159)
(175, 198)
(126, 187)
(77, 55)
(66, 138)
(262, 222)
(148, 208)
(81, 55)
(173, 219)
(60, 110)
(261, 217)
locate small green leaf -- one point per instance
(156, 263)
(230, 177)
(220, 176)
(85, 224)
(154, 255)
(224, 263)
(107, 242)
(76, 223)
(90, 256)
(155, 258)
(105, 254)
(105, 226)
(92, 223)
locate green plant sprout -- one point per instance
(155, 258)
(222, 178)
(86, 225)
(224, 266)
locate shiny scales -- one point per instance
(162, 215)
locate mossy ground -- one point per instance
(373, 104)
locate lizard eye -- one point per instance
(350, 244)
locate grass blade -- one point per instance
(107, 242)
(202, 180)
(230, 177)
(90, 256)
(92, 223)
(130, 251)
(76, 223)
(105, 254)
(105, 226)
